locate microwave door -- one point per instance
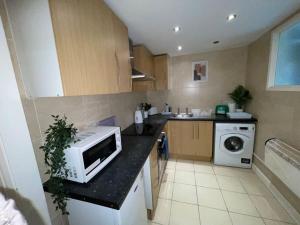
(95, 155)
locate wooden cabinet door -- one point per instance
(175, 137)
(204, 138)
(154, 176)
(85, 46)
(122, 55)
(189, 138)
(142, 86)
(161, 71)
(143, 60)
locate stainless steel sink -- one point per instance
(182, 115)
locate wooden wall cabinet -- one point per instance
(191, 139)
(70, 47)
(143, 85)
(159, 69)
(162, 71)
(122, 55)
(143, 60)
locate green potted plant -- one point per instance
(241, 96)
(59, 136)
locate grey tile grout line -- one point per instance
(198, 207)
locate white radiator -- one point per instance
(284, 161)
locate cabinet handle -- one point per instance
(194, 132)
(137, 186)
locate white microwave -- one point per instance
(94, 150)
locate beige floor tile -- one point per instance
(239, 203)
(210, 216)
(185, 165)
(210, 198)
(255, 187)
(230, 184)
(162, 213)
(203, 167)
(232, 171)
(166, 190)
(269, 208)
(272, 222)
(185, 193)
(206, 180)
(185, 177)
(171, 164)
(238, 219)
(184, 214)
(169, 175)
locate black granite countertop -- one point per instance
(110, 187)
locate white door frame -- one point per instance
(6, 178)
(20, 172)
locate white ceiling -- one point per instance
(150, 22)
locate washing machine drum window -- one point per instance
(234, 144)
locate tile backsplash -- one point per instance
(226, 70)
(83, 111)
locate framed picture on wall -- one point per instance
(200, 71)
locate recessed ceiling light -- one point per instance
(176, 29)
(231, 17)
(179, 47)
(216, 42)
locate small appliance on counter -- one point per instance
(222, 109)
(152, 111)
(239, 115)
(96, 147)
(138, 116)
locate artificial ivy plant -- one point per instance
(241, 96)
(59, 136)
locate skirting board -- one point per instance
(285, 204)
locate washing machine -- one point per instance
(234, 144)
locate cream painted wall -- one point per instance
(277, 111)
(226, 70)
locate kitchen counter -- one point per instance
(110, 187)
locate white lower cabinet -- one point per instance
(132, 212)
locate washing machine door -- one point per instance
(234, 143)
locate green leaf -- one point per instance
(59, 135)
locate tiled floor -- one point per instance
(199, 193)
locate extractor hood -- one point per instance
(136, 74)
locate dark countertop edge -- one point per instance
(90, 200)
(216, 119)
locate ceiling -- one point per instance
(150, 22)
